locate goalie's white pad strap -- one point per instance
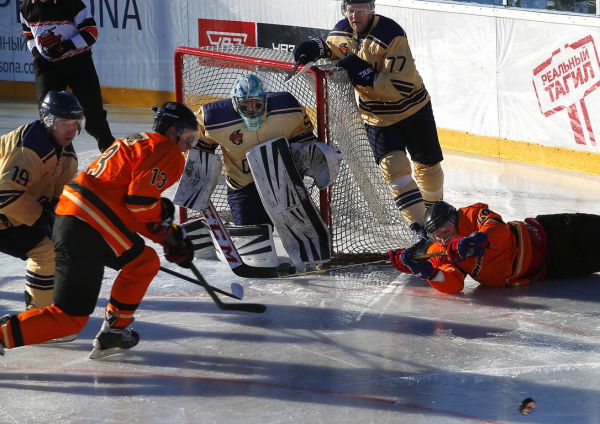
(286, 200)
(254, 243)
(200, 176)
(317, 160)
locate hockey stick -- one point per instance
(223, 240)
(245, 307)
(293, 75)
(293, 71)
(336, 268)
(358, 265)
(431, 255)
(237, 291)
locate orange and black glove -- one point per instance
(178, 247)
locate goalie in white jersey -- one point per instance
(249, 118)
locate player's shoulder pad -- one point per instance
(385, 30)
(35, 137)
(342, 28)
(282, 102)
(220, 113)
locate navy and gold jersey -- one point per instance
(398, 91)
(32, 171)
(221, 125)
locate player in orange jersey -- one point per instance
(476, 241)
(99, 218)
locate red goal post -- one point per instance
(358, 207)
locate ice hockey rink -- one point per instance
(366, 345)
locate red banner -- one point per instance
(214, 32)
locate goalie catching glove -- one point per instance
(317, 160)
(178, 247)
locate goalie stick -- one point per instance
(245, 307)
(237, 291)
(222, 239)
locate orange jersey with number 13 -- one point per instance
(120, 191)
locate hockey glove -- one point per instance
(178, 247)
(462, 248)
(46, 220)
(396, 260)
(421, 268)
(167, 211)
(58, 49)
(360, 72)
(310, 50)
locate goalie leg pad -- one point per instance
(254, 244)
(199, 235)
(286, 200)
(201, 174)
(317, 160)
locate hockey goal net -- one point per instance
(358, 208)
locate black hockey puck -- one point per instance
(527, 406)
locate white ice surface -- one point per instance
(361, 346)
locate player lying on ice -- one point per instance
(476, 241)
(268, 145)
(98, 221)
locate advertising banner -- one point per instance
(547, 80)
(15, 59)
(515, 78)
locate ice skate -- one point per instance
(110, 341)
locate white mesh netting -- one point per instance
(364, 218)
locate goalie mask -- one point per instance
(440, 222)
(61, 108)
(345, 3)
(249, 100)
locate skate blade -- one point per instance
(101, 353)
(65, 339)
